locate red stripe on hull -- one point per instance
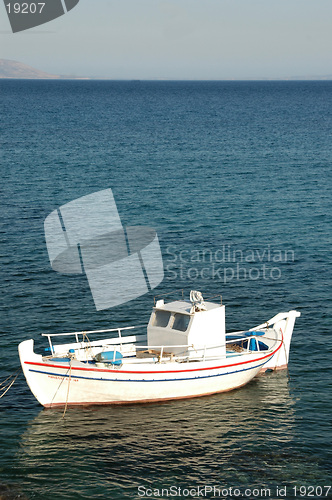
(101, 370)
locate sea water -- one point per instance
(235, 177)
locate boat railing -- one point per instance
(161, 351)
(180, 290)
(164, 351)
(85, 335)
(211, 297)
(162, 295)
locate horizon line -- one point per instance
(157, 79)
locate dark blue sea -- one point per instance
(235, 177)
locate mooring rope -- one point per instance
(87, 348)
(67, 397)
(9, 382)
(282, 336)
(10, 376)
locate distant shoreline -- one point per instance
(91, 79)
(14, 70)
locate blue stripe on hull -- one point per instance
(144, 380)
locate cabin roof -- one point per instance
(183, 306)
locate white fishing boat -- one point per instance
(183, 353)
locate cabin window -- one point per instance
(161, 318)
(181, 322)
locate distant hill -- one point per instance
(14, 69)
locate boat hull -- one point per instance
(70, 382)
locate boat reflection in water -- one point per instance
(237, 438)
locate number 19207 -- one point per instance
(311, 491)
(25, 8)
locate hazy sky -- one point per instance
(180, 39)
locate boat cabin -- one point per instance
(184, 329)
